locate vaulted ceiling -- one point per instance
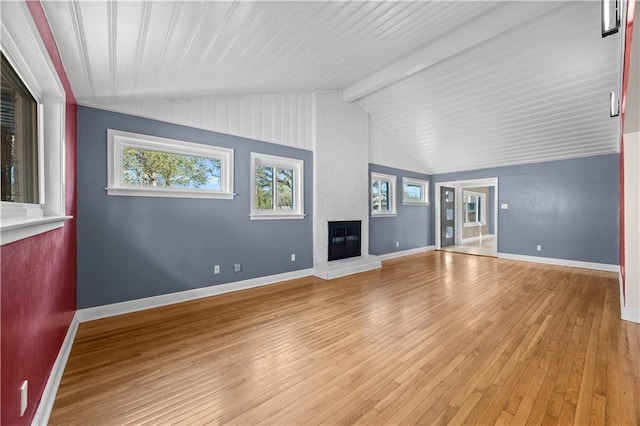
(458, 85)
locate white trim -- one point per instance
(22, 45)
(104, 311)
(403, 253)
(630, 314)
(117, 140)
(561, 262)
(424, 184)
(20, 229)
(295, 164)
(393, 185)
(344, 267)
(51, 388)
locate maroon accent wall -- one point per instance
(38, 290)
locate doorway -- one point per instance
(467, 216)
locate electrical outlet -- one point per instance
(504, 206)
(539, 247)
(397, 244)
(24, 393)
(237, 267)
(293, 257)
(216, 269)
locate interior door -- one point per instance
(447, 216)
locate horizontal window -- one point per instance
(277, 187)
(415, 191)
(141, 165)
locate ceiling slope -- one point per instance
(536, 92)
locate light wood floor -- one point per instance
(432, 338)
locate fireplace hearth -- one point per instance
(344, 239)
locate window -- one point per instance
(383, 195)
(474, 207)
(141, 165)
(19, 127)
(415, 191)
(277, 187)
(32, 158)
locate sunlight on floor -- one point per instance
(487, 246)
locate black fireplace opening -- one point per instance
(344, 239)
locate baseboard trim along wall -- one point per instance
(90, 314)
(630, 314)
(51, 388)
(403, 253)
(562, 262)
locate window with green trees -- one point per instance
(151, 166)
(276, 187)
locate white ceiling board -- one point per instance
(538, 93)
(137, 50)
(533, 93)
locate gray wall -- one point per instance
(570, 207)
(134, 247)
(412, 227)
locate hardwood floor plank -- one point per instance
(433, 338)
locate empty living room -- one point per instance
(325, 212)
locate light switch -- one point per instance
(504, 206)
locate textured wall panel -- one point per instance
(340, 176)
(284, 119)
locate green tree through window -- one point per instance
(143, 167)
(266, 181)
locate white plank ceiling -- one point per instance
(533, 93)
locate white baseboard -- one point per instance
(630, 314)
(344, 267)
(51, 388)
(409, 252)
(90, 314)
(562, 262)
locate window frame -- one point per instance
(424, 184)
(23, 47)
(393, 182)
(259, 159)
(482, 202)
(117, 140)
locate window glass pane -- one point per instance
(384, 195)
(145, 167)
(412, 192)
(285, 189)
(448, 232)
(376, 195)
(19, 133)
(264, 188)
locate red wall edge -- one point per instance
(625, 87)
(38, 291)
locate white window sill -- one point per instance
(276, 216)
(19, 229)
(168, 193)
(384, 214)
(474, 224)
(414, 203)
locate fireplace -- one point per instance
(344, 239)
